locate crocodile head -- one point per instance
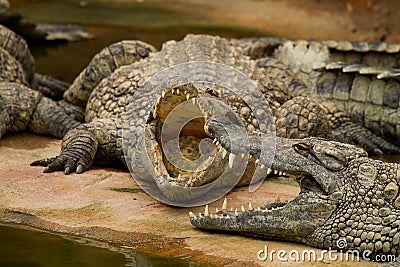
(345, 197)
(182, 154)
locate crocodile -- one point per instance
(348, 201)
(360, 78)
(26, 97)
(106, 89)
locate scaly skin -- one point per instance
(109, 100)
(22, 108)
(352, 84)
(344, 195)
(16, 46)
(102, 65)
(25, 109)
(360, 79)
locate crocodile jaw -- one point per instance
(321, 165)
(293, 221)
(208, 166)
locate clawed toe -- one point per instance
(61, 163)
(43, 162)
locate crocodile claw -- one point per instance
(76, 155)
(65, 163)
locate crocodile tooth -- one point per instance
(236, 213)
(194, 101)
(242, 155)
(257, 161)
(186, 92)
(269, 171)
(200, 216)
(228, 217)
(169, 179)
(243, 209)
(215, 140)
(284, 173)
(225, 204)
(280, 173)
(250, 206)
(191, 214)
(258, 209)
(212, 216)
(158, 100)
(187, 96)
(216, 210)
(217, 143)
(276, 172)
(231, 159)
(250, 156)
(262, 166)
(224, 152)
(173, 91)
(206, 213)
(163, 94)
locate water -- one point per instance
(25, 248)
(19, 247)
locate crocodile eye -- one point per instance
(212, 92)
(302, 149)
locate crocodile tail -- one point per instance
(102, 65)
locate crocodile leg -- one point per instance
(352, 133)
(98, 140)
(49, 118)
(49, 86)
(23, 108)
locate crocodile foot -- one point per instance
(76, 156)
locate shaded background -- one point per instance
(156, 21)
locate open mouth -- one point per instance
(185, 154)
